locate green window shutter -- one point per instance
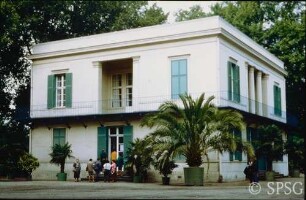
(102, 140)
(249, 133)
(238, 153)
(229, 73)
(277, 101)
(127, 139)
(68, 102)
(59, 136)
(236, 83)
(51, 92)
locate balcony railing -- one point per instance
(147, 104)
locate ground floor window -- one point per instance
(59, 136)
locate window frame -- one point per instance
(277, 93)
(126, 97)
(179, 76)
(233, 82)
(59, 134)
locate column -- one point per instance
(136, 86)
(97, 82)
(259, 92)
(251, 90)
(265, 79)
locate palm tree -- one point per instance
(139, 158)
(59, 155)
(195, 129)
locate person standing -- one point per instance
(114, 154)
(90, 170)
(120, 164)
(106, 168)
(97, 168)
(103, 155)
(114, 171)
(76, 170)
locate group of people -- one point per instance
(102, 164)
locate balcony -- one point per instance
(148, 104)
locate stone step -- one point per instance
(261, 175)
(119, 178)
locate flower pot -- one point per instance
(194, 176)
(166, 180)
(269, 176)
(61, 176)
(137, 179)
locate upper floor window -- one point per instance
(233, 82)
(59, 136)
(277, 101)
(59, 90)
(122, 88)
(178, 77)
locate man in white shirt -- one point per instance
(107, 168)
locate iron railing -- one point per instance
(147, 104)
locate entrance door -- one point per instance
(116, 143)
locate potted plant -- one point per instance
(269, 145)
(28, 163)
(59, 155)
(139, 159)
(164, 163)
(194, 129)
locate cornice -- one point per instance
(128, 44)
(218, 27)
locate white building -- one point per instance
(93, 91)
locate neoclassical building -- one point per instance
(93, 91)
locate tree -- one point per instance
(269, 144)
(25, 23)
(59, 155)
(139, 157)
(194, 12)
(195, 129)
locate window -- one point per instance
(233, 82)
(59, 136)
(129, 89)
(236, 155)
(122, 88)
(277, 101)
(59, 90)
(117, 90)
(178, 77)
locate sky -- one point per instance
(175, 6)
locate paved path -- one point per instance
(292, 188)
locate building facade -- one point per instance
(93, 91)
